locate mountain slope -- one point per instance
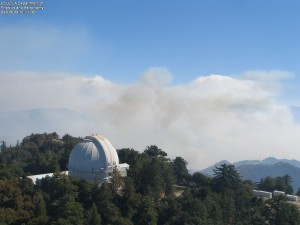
(268, 161)
(259, 171)
(209, 171)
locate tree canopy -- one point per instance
(157, 190)
(283, 183)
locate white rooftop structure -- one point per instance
(262, 194)
(94, 158)
(36, 178)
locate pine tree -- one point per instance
(95, 218)
(226, 177)
(146, 213)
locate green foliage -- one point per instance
(154, 151)
(36, 154)
(283, 183)
(282, 213)
(146, 212)
(151, 172)
(3, 146)
(116, 183)
(180, 171)
(200, 180)
(129, 156)
(94, 217)
(170, 211)
(226, 177)
(145, 196)
(18, 200)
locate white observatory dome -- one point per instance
(93, 159)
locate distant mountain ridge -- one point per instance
(267, 161)
(210, 170)
(257, 169)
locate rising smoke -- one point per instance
(212, 118)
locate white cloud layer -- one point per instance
(209, 119)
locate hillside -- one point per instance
(257, 169)
(147, 196)
(209, 171)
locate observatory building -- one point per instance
(92, 159)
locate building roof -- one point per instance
(94, 153)
(34, 178)
(93, 159)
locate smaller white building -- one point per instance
(292, 198)
(262, 194)
(265, 194)
(276, 193)
(36, 178)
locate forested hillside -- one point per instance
(255, 170)
(157, 190)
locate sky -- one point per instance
(205, 80)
